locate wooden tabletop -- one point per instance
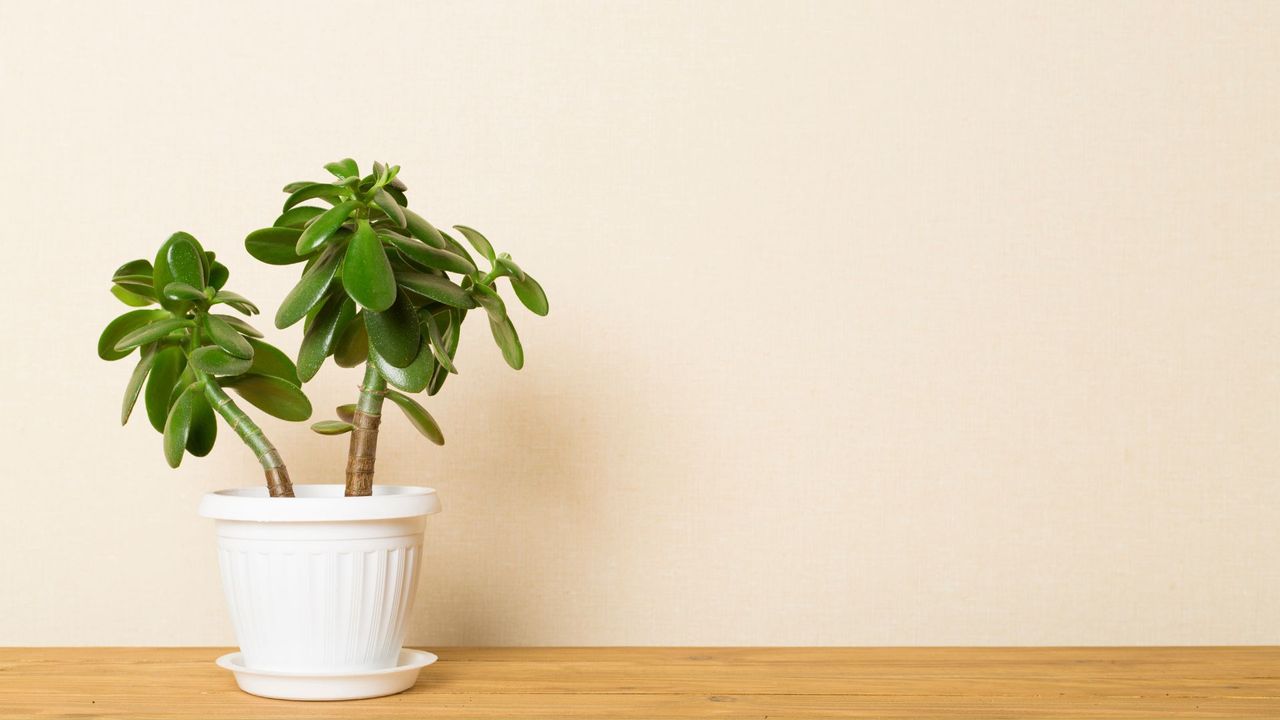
(680, 683)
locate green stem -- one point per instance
(363, 450)
(278, 483)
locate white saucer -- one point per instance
(328, 686)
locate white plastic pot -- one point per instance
(320, 585)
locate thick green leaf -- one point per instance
(417, 415)
(429, 256)
(182, 291)
(451, 337)
(177, 427)
(395, 332)
(509, 266)
(489, 299)
(438, 346)
(134, 267)
(131, 299)
(275, 245)
(531, 294)
(421, 229)
(237, 301)
(456, 248)
(366, 273)
(310, 289)
(504, 333)
(398, 195)
(168, 367)
(297, 217)
(347, 412)
(180, 259)
(478, 241)
(218, 275)
(227, 337)
(332, 427)
(323, 227)
(411, 378)
(122, 326)
(204, 426)
(344, 168)
(138, 285)
(388, 205)
(271, 395)
(140, 372)
(322, 336)
(297, 185)
(353, 343)
(216, 361)
(311, 191)
(271, 360)
(437, 288)
(151, 332)
(241, 326)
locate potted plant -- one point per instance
(320, 579)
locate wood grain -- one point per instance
(991, 683)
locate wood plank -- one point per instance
(681, 682)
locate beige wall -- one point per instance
(871, 323)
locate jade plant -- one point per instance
(190, 355)
(383, 288)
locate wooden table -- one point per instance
(680, 683)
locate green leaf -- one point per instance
(131, 299)
(323, 227)
(429, 256)
(216, 361)
(344, 168)
(271, 395)
(297, 217)
(177, 427)
(134, 267)
(122, 326)
(388, 205)
(421, 229)
(204, 426)
(180, 259)
(182, 291)
(417, 415)
(353, 343)
(322, 337)
(275, 245)
(489, 299)
(347, 412)
(437, 288)
(218, 275)
(398, 194)
(235, 300)
(310, 289)
(151, 332)
(531, 294)
(311, 191)
(507, 265)
(395, 332)
(366, 272)
(452, 337)
(241, 326)
(271, 360)
(456, 248)
(132, 390)
(478, 241)
(504, 333)
(227, 338)
(168, 367)
(297, 185)
(332, 427)
(414, 376)
(438, 347)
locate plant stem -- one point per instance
(278, 483)
(364, 438)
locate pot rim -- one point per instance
(319, 503)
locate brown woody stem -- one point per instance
(278, 483)
(363, 450)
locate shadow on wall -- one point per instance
(522, 516)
